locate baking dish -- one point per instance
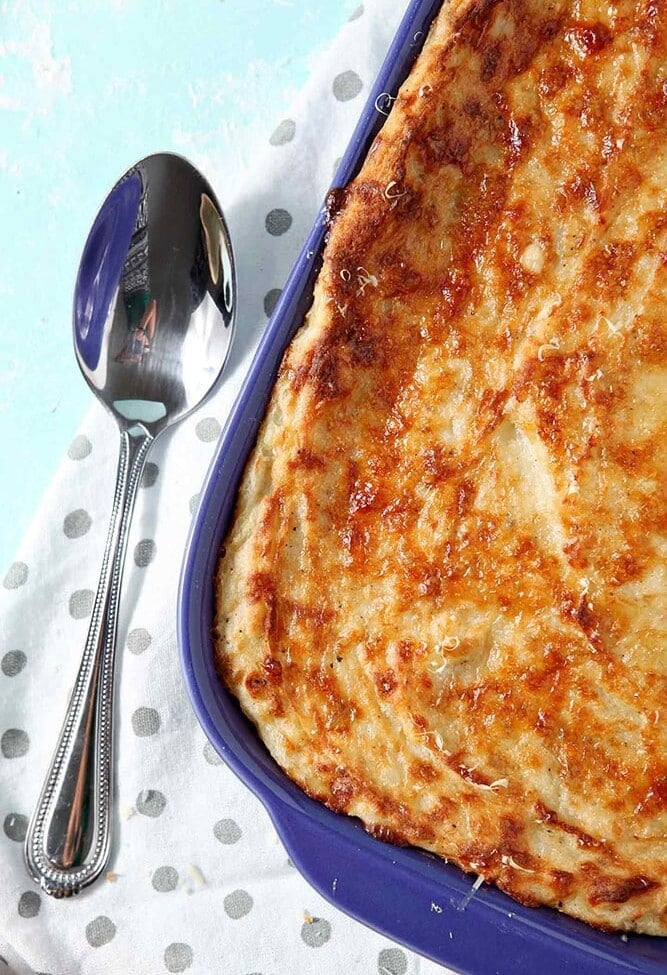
(408, 895)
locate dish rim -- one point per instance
(424, 903)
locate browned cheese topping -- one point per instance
(442, 598)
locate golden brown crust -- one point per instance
(442, 596)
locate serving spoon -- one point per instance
(154, 310)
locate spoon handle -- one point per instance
(68, 840)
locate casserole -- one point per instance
(405, 923)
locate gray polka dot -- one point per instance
(145, 721)
(16, 826)
(356, 14)
(208, 429)
(278, 222)
(347, 86)
(177, 957)
(144, 552)
(149, 476)
(227, 831)
(237, 904)
(79, 448)
(165, 879)
(16, 576)
(315, 933)
(77, 523)
(211, 755)
(392, 961)
(13, 663)
(14, 743)
(100, 931)
(81, 603)
(150, 802)
(284, 133)
(194, 501)
(271, 300)
(29, 903)
(138, 640)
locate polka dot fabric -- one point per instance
(198, 881)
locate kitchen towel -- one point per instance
(198, 880)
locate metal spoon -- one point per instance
(154, 310)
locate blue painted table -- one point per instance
(86, 89)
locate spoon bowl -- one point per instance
(154, 296)
(154, 311)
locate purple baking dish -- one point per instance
(408, 895)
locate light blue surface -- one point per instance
(86, 88)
